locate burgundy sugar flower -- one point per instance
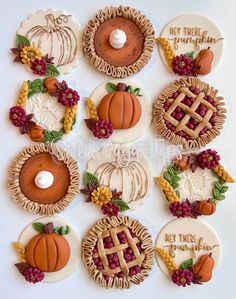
(68, 97)
(182, 277)
(182, 65)
(33, 275)
(180, 209)
(17, 116)
(102, 129)
(39, 67)
(208, 159)
(110, 209)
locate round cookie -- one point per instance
(119, 41)
(188, 250)
(194, 183)
(191, 44)
(50, 246)
(189, 112)
(29, 176)
(122, 104)
(122, 170)
(118, 252)
(45, 109)
(55, 34)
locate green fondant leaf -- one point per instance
(172, 176)
(136, 91)
(36, 86)
(186, 264)
(191, 54)
(22, 40)
(39, 227)
(167, 176)
(61, 230)
(219, 189)
(89, 178)
(111, 87)
(53, 136)
(52, 71)
(122, 205)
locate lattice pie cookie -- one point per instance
(189, 112)
(118, 251)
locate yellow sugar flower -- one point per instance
(101, 196)
(29, 53)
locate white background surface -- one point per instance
(153, 213)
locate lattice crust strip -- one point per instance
(110, 227)
(182, 86)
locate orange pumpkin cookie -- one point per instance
(121, 108)
(49, 252)
(197, 187)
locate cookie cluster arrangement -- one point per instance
(118, 251)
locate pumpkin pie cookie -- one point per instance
(45, 109)
(48, 43)
(188, 251)
(119, 110)
(43, 179)
(118, 251)
(48, 250)
(189, 112)
(191, 44)
(119, 41)
(193, 183)
(121, 170)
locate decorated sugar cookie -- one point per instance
(45, 109)
(118, 110)
(118, 176)
(43, 179)
(189, 112)
(188, 251)
(191, 44)
(118, 251)
(47, 250)
(48, 43)
(194, 183)
(119, 41)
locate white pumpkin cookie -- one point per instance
(56, 34)
(124, 170)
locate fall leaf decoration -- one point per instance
(169, 183)
(40, 65)
(113, 203)
(188, 272)
(25, 122)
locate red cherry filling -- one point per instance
(113, 259)
(178, 113)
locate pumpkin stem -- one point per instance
(210, 254)
(51, 25)
(49, 228)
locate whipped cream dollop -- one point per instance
(117, 38)
(44, 179)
